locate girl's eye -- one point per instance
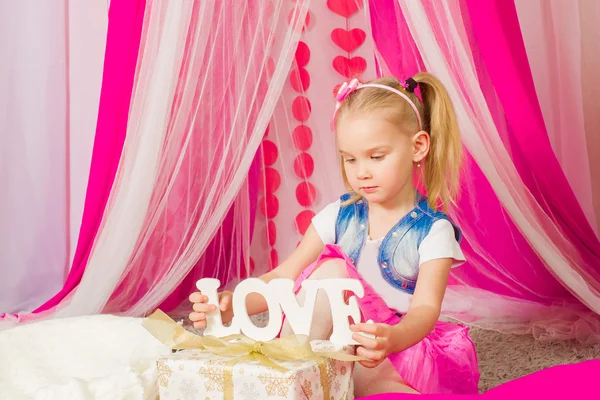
(377, 157)
(349, 160)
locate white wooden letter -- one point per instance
(214, 324)
(300, 318)
(255, 285)
(340, 311)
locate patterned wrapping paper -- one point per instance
(198, 374)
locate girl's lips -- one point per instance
(369, 189)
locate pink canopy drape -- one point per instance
(555, 35)
(177, 189)
(123, 41)
(502, 261)
(203, 157)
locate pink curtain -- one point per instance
(126, 22)
(516, 291)
(124, 32)
(527, 279)
(499, 40)
(207, 81)
(552, 35)
(170, 198)
(480, 202)
(589, 17)
(176, 136)
(396, 45)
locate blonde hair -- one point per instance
(442, 163)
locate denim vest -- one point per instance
(398, 256)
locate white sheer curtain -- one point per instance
(209, 77)
(50, 74)
(482, 140)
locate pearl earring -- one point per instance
(418, 165)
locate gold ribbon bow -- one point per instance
(243, 348)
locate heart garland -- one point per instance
(345, 8)
(348, 40)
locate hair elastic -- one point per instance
(410, 85)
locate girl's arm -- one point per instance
(305, 254)
(425, 306)
(418, 322)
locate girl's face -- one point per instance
(378, 158)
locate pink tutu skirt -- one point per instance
(443, 362)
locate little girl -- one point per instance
(384, 232)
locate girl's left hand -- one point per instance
(375, 350)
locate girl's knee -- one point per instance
(330, 268)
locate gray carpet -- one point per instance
(503, 358)
(506, 357)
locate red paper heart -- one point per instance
(300, 80)
(345, 8)
(302, 54)
(349, 67)
(348, 40)
(306, 194)
(273, 260)
(301, 108)
(269, 206)
(271, 233)
(304, 166)
(303, 220)
(270, 180)
(269, 152)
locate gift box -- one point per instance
(201, 374)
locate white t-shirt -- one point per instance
(440, 242)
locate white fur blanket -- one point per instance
(95, 357)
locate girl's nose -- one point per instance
(363, 171)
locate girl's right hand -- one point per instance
(200, 306)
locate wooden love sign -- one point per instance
(280, 297)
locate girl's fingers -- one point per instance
(200, 324)
(372, 355)
(197, 316)
(365, 341)
(203, 307)
(373, 329)
(196, 297)
(225, 303)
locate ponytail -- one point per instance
(442, 164)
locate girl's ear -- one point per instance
(421, 142)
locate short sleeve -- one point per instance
(324, 222)
(440, 242)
